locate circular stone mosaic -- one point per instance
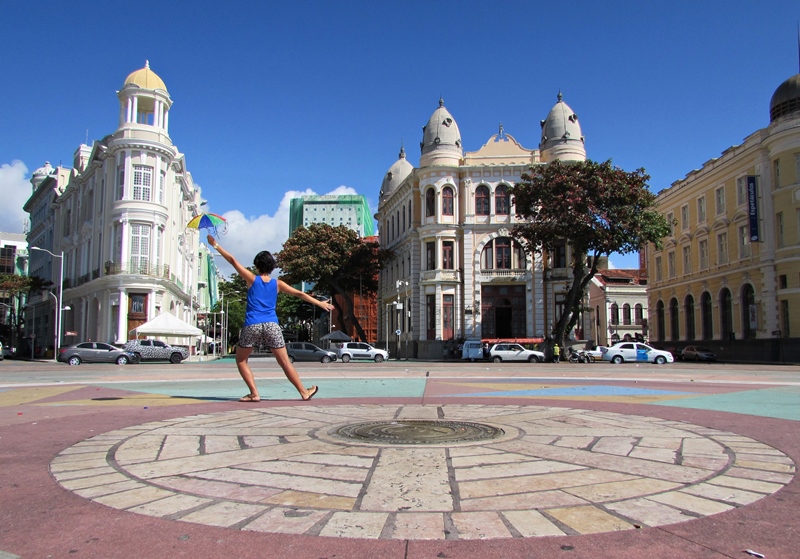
(418, 431)
(557, 471)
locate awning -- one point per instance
(167, 324)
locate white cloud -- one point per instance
(15, 190)
(247, 236)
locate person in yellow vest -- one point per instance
(556, 353)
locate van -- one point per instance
(472, 350)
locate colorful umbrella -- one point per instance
(212, 222)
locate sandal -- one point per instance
(249, 398)
(311, 393)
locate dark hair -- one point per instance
(264, 262)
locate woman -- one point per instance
(261, 321)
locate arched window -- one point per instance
(430, 203)
(613, 317)
(501, 200)
(404, 219)
(705, 314)
(726, 314)
(409, 214)
(502, 250)
(398, 223)
(674, 333)
(626, 314)
(447, 201)
(749, 312)
(688, 309)
(503, 253)
(391, 238)
(482, 200)
(638, 314)
(660, 323)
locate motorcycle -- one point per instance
(579, 356)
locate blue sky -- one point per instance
(272, 99)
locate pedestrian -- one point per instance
(261, 321)
(556, 353)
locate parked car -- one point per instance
(156, 350)
(514, 352)
(304, 351)
(637, 353)
(95, 352)
(697, 353)
(360, 350)
(2, 351)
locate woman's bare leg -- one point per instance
(242, 355)
(282, 357)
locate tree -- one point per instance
(337, 261)
(596, 208)
(12, 287)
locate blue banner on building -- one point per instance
(752, 209)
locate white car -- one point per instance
(360, 350)
(636, 352)
(514, 352)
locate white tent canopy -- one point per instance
(167, 324)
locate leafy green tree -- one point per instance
(233, 302)
(598, 209)
(337, 261)
(13, 287)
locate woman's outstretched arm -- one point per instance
(283, 287)
(246, 274)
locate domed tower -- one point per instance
(441, 140)
(144, 101)
(561, 135)
(786, 99)
(396, 174)
(40, 174)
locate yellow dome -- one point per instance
(145, 78)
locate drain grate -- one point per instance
(418, 432)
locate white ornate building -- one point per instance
(457, 273)
(121, 223)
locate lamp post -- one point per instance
(58, 300)
(400, 308)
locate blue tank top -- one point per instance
(261, 300)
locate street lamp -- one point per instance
(58, 299)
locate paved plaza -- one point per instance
(557, 460)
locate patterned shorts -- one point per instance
(265, 334)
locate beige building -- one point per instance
(618, 300)
(730, 269)
(457, 273)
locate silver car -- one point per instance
(95, 352)
(156, 350)
(304, 351)
(635, 352)
(360, 350)
(514, 352)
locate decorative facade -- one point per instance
(730, 269)
(120, 223)
(457, 273)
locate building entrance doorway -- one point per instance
(502, 319)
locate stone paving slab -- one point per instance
(554, 470)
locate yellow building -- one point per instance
(730, 269)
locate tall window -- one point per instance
(722, 248)
(162, 179)
(687, 260)
(430, 316)
(560, 254)
(674, 334)
(626, 314)
(660, 322)
(448, 317)
(430, 203)
(121, 181)
(701, 209)
(613, 314)
(447, 201)
(671, 264)
(744, 241)
(142, 182)
(726, 314)
(688, 309)
(659, 275)
(749, 312)
(741, 191)
(447, 255)
(671, 223)
(779, 228)
(638, 314)
(776, 173)
(502, 248)
(684, 217)
(404, 219)
(501, 200)
(705, 313)
(140, 247)
(482, 200)
(430, 256)
(703, 249)
(720, 198)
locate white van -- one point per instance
(472, 350)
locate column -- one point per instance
(122, 325)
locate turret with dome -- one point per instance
(561, 134)
(441, 139)
(786, 99)
(396, 174)
(144, 101)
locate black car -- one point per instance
(95, 352)
(304, 351)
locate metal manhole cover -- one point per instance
(418, 431)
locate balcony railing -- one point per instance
(514, 273)
(137, 268)
(440, 275)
